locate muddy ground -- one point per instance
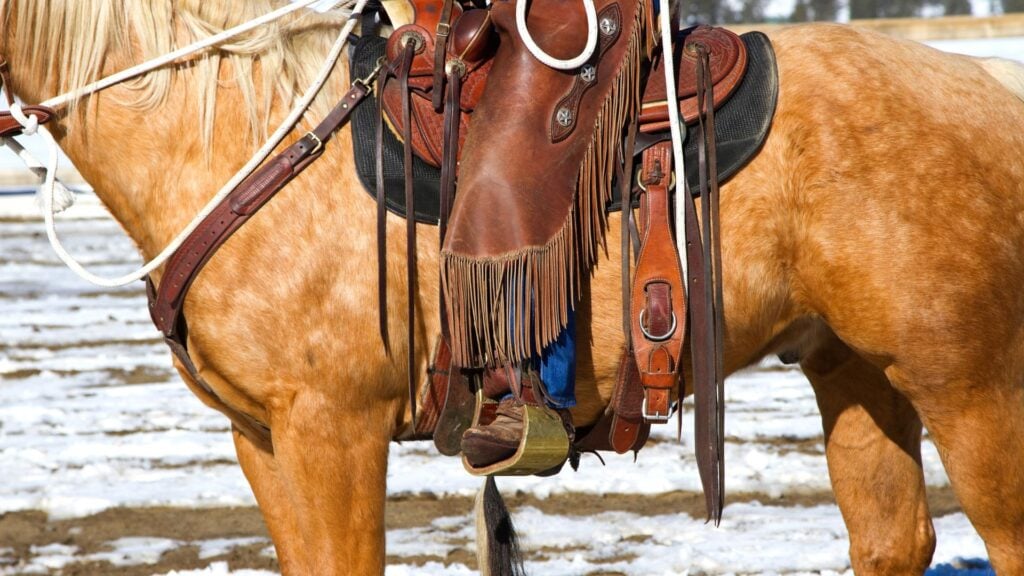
(24, 530)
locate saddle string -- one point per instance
(624, 171)
(49, 187)
(710, 412)
(449, 166)
(410, 220)
(549, 60)
(382, 244)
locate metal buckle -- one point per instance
(317, 143)
(660, 337)
(656, 418)
(643, 186)
(443, 29)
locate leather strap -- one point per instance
(657, 303)
(444, 29)
(410, 223)
(628, 429)
(238, 207)
(382, 222)
(708, 336)
(713, 477)
(166, 303)
(11, 127)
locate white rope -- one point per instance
(29, 124)
(675, 125)
(549, 60)
(261, 155)
(63, 198)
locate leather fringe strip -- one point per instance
(508, 308)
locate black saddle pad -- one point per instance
(741, 126)
(426, 179)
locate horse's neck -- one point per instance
(151, 168)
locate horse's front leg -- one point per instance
(262, 472)
(873, 446)
(328, 472)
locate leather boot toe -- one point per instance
(497, 441)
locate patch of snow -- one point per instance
(135, 550)
(218, 546)
(218, 569)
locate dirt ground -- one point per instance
(23, 530)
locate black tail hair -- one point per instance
(503, 554)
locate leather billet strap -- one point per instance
(166, 302)
(658, 300)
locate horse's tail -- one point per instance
(496, 540)
(1008, 72)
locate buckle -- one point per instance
(318, 144)
(443, 29)
(655, 418)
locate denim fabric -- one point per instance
(558, 366)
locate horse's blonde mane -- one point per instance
(74, 42)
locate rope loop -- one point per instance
(549, 60)
(29, 124)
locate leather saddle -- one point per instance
(473, 41)
(470, 43)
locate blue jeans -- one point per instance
(557, 365)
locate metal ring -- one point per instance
(660, 337)
(640, 180)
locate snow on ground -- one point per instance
(92, 416)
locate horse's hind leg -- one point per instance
(977, 423)
(873, 447)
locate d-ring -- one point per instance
(661, 337)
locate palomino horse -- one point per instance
(878, 236)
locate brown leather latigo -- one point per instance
(657, 300)
(472, 42)
(529, 211)
(728, 56)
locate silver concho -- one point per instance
(564, 116)
(588, 73)
(608, 26)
